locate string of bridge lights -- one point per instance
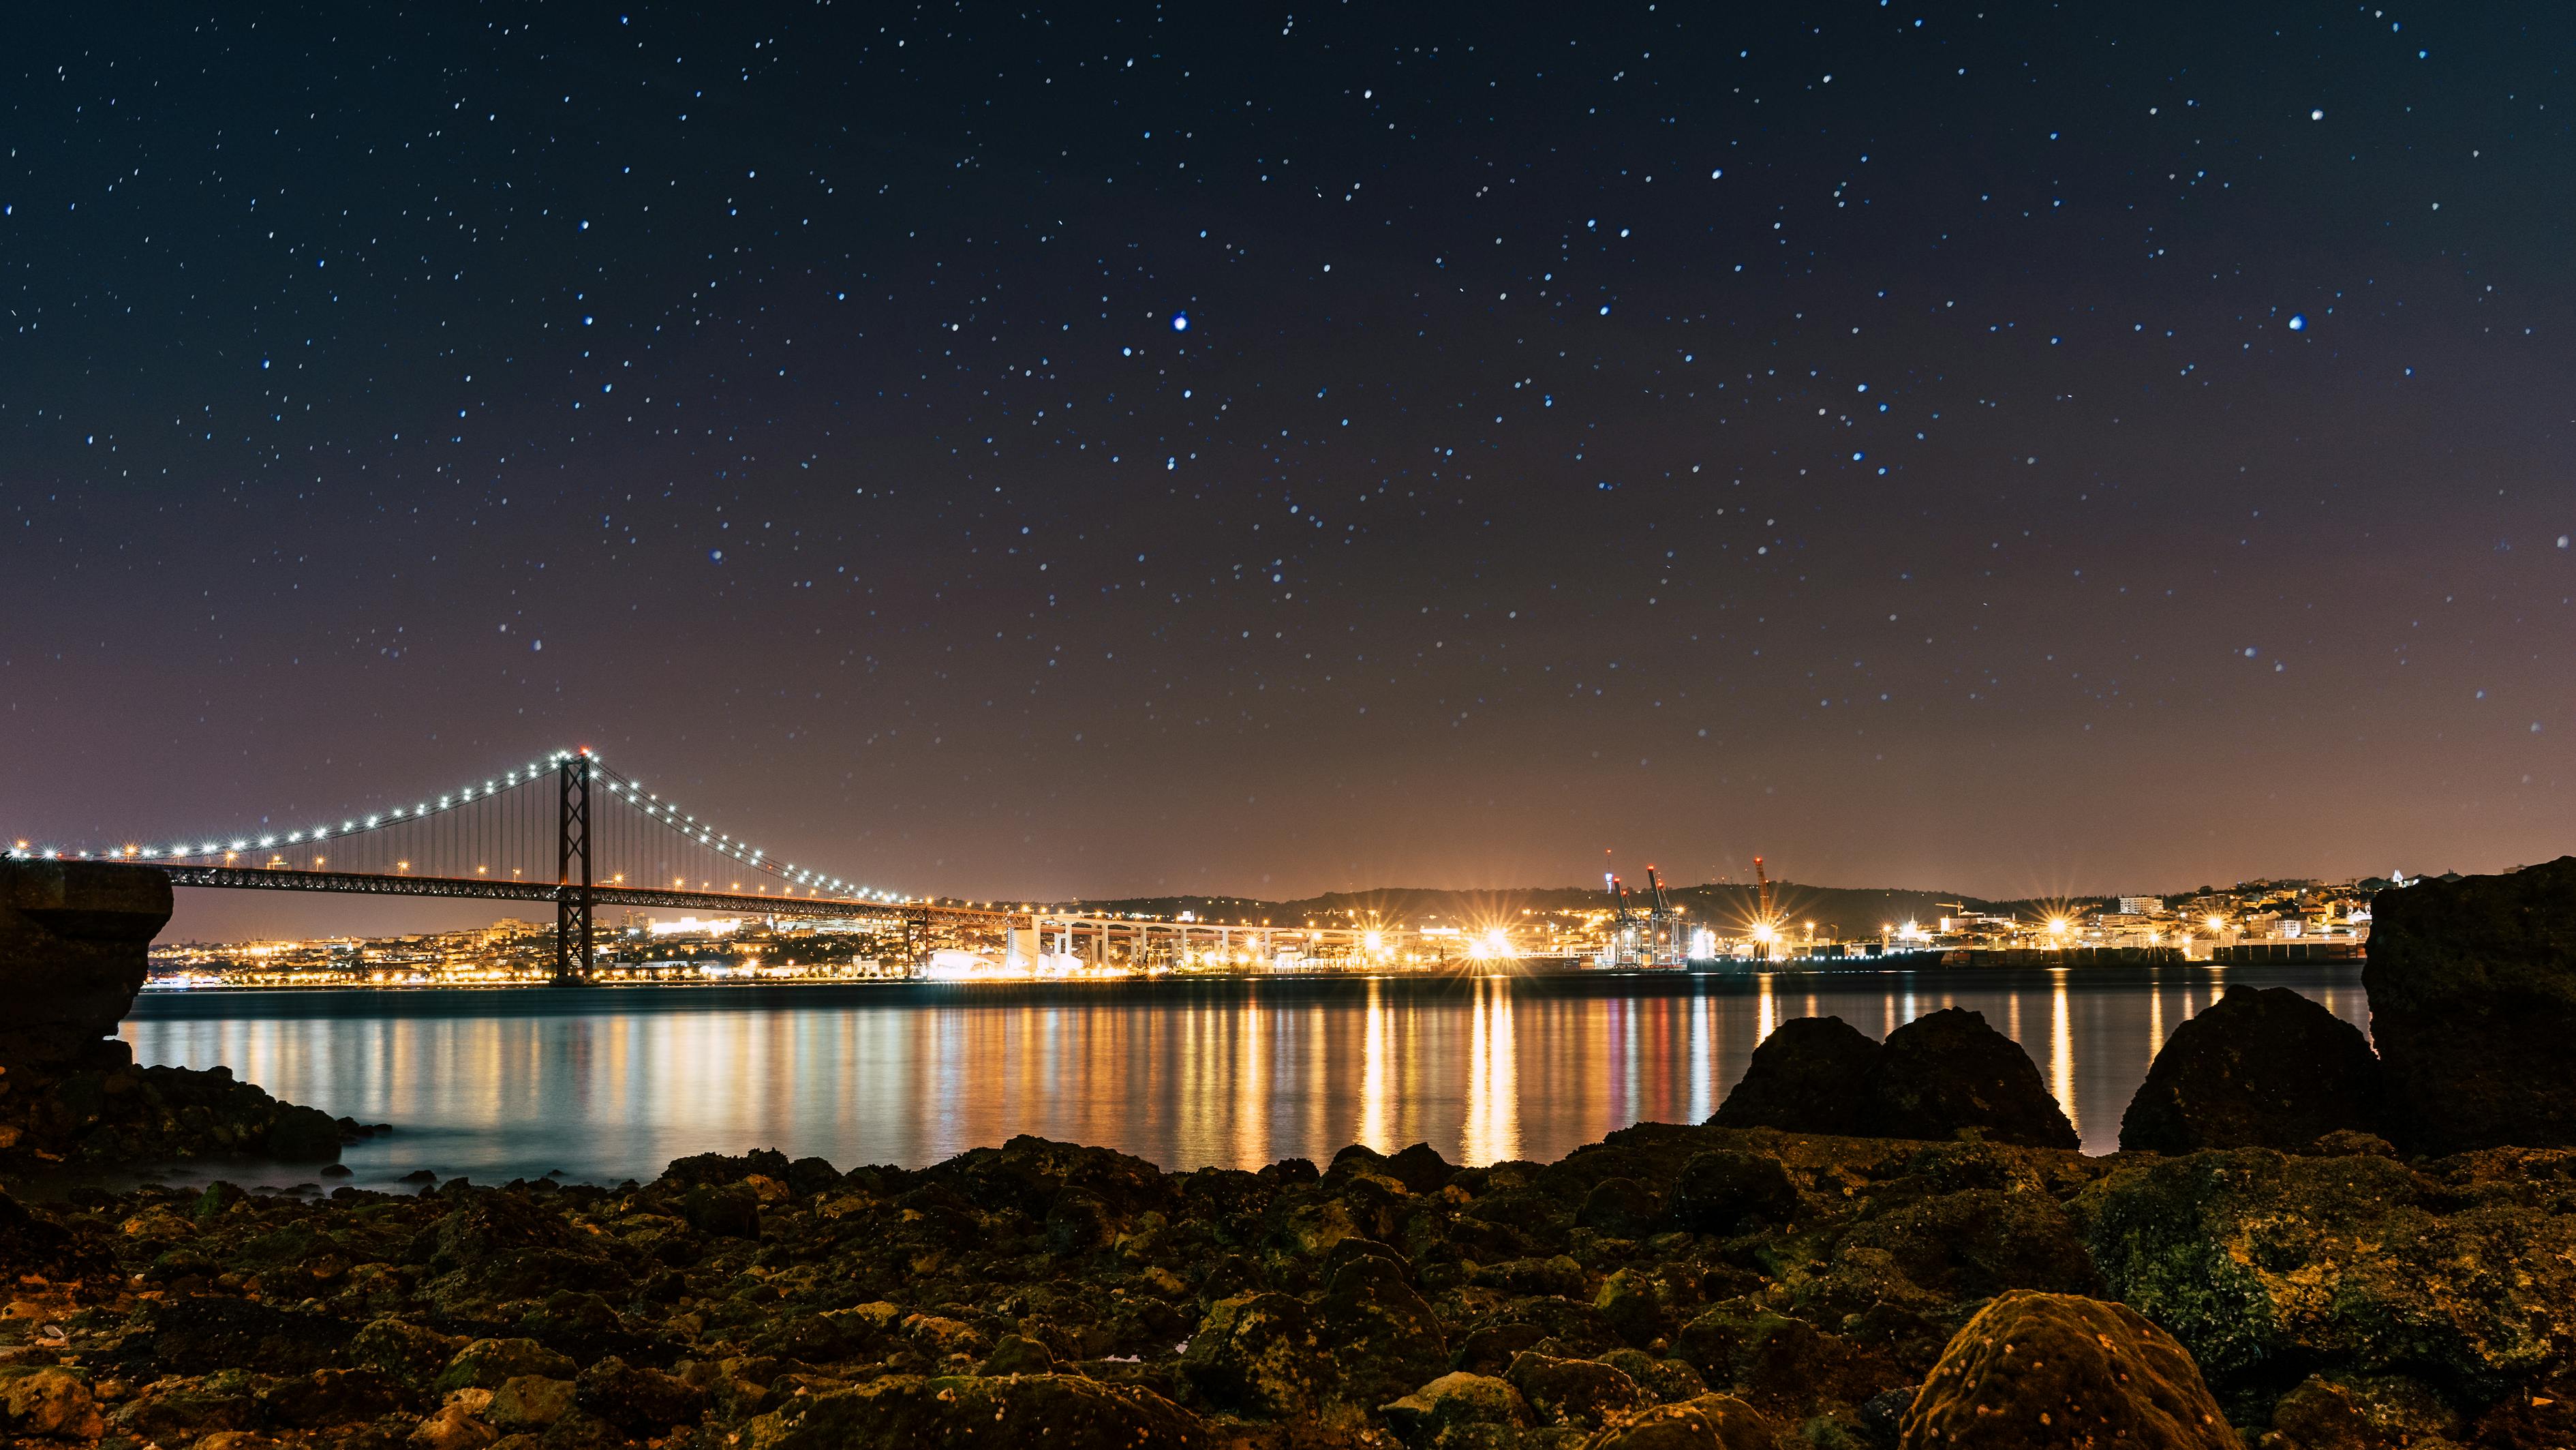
(619, 787)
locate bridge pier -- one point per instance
(574, 904)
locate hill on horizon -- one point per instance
(1848, 911)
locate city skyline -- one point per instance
(1097, 454)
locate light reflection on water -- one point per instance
(610, 1083)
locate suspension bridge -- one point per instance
(565, 829)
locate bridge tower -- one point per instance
(573, 900)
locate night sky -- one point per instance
(1047, 451)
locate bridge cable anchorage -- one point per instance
(612, 843)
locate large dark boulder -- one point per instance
(1806, 1077)
(73, 942)
(2041, 1371)
(1949, 1071)
(1720, 1189)
(2473, 1006)
(2259, 1069)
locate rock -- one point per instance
(1942, 1073)
(1629, 1302)
(530, 1402)
(2255, 1260)
(301, 1135)
(1721, 1189)
(1078, 1223)
(454, 1427)
(487, 1363)
(2382, 1412)
(2472, 989)
(48, 1402)
(900, 1412)
(640, 1401)
(1620, 1207)
(1780, 1364)
(1665, 1380)
(178, 1409)
(1708, 1422)
(330, 1397)
(730, 1210)
(1420, 1169)
(2257, 1069)
(2049, 1370)
(1383, 1337)
(1806, 1077)
(1018, 1354)
(1489, 1350)
(411, 1354)
(74, 936)
(195, 1334)
(1575, 1391)
(1259, 1354)
(1457, 1398)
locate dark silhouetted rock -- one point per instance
(1949, 1071)
(1018, 1354)
(2258, 1069)
(2042, 1371)
(330, 1397)
(2473, 1007)
(1806, 1077)
(1420, 1168)
(1260, 1355)
(1722, 1188)
(1384, 1338)
(73, 940)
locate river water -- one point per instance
(608, 1083)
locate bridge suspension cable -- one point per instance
(509, 828)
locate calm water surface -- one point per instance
(609, 1083)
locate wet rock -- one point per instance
(730, 1210)
(1456, 1399)
(329, 1397)
(1490, 1350)
(2047, 1370)
(1384, 1339)
(2368, 1412)
(1806, 1077)
(638, 1400)
(1665, 1380)
(2472, 989)
(486, 1363)
(1719, 1190)
(1018, 1354)
(530, 1402)
(1708, 1422)
(1632, 1304)
(179, 1409)
(1078, 1223)
(1947, 1072)
(1620, 1207)
(899, 1412)
(1780, 1364)
(2462, 1273)
(809, 1176)
(301, 1135)
(196, 1334)
(2257, 1069)
(1260, 1355)
(1973, 1245)
(454, 1427)
(412, 1354)
(1578, 1392)
(1559, 1275)
(47, 1402)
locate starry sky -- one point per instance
(1050, 451)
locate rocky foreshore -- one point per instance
(1874, 1244)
